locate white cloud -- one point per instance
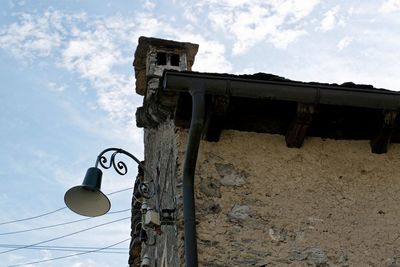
(390, 6)
(330, 19)
(283, 39)
(149, 5)
(55, 87)
(85, 263)
(34, 36)
(93, 55)
(211, 56)
(46, 254)
(279, 22)
(95, 49)
(14, 3)
(345, 42)
(91, 49)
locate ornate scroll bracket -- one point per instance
(147, 189)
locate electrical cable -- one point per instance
(71, 255)
(60, 247)
(50, 248)
(34, 217)
(63, 236)
(59, 224)
(54, 211)
(119, 191)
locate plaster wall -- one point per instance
(259, 203)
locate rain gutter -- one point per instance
(311, 93)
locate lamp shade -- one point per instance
(87, 199)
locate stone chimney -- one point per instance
(152, 57)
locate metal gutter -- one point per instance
(311, 93)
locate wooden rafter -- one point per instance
(298, 129)
(381, 141)
(215, 118)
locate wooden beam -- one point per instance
(298, 129)
(183, 110)
(380, 143)
(215, 118)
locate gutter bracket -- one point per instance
(181, 115)
(380, 143)
(215, 118)
(298, 129)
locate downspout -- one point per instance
(197, 91)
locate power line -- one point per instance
(119, 191)
(58, 224)
(114, 212)
(34, 217)
(62, 249)
(57, 210)
(63, 236)
(71, 255)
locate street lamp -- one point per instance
(87, 199)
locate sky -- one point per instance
(67, 91)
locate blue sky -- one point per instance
(68, 88)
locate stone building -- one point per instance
(288, 173)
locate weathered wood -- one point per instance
(276, 117)
(298, 129)
(380, 143)
(183, 110)
(215, 118)
(155, 110)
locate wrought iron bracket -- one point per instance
(145, 189)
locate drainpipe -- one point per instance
(196, 127)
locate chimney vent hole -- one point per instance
(174, 60)
(161, 58)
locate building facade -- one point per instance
(280, 180)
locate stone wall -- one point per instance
(259, 203)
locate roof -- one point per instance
(272, 104)
(269, 86)
(267, 103)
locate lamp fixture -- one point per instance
(87, 199)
